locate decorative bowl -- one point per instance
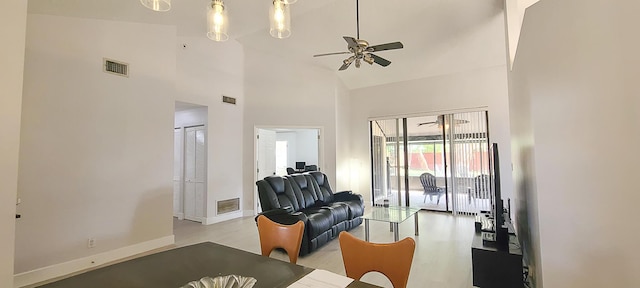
(229, 281)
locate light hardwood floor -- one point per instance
(442, 258)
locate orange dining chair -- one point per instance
(392, 259)
(275, 235)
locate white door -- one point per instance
(194, 173)
(178, 143)
(266, 155)
(282, 153)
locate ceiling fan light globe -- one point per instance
(280, 19)
(349, 60)
(367, 58)
(217, 21)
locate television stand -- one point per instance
(496, 266)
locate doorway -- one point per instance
(280, 148)
(190, 162)
(431, 162)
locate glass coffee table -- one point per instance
(394, 215)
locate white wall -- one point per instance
(302, 146)
(207, 70)
(343, 138)
(13, 15)
(524, 176)
(576, 80)
(307, 146)
(281, 93)
(96, 149)
(515, 11)
(479, 88)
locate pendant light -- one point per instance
(217, 21)
(157, 5)
(280, 19)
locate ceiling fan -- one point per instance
(361, 50)
(440, 122)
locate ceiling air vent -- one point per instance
(115, 67)
(230, 100)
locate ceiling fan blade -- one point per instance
(426, 123)
(387, 46)
(379, 60)
(345, 66)
(351, 41)
(335, 53)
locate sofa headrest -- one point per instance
(276, 182)
(300, 180)
(319, 176)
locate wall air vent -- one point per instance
(226, 206)
(115, 67)
(230, 100)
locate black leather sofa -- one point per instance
(308, 197)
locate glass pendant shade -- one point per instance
(157, 5)
(217, 21)
(280, 19)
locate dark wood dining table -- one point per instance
(176, 267)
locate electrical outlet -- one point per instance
(91, 242)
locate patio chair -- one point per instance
(430, 189)
(481, 189)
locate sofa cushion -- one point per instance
(319, 220)
(355, 208)
(276, 193)
(325, 193)
(321, 185)
(303, 189)
(340, 212)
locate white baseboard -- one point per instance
(66, 268)
(221, 218)
(180, 216)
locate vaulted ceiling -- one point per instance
(439, 36)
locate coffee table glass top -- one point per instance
(393, 214)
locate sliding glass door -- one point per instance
(431, 162)
(387, 158)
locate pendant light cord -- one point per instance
(357, 20)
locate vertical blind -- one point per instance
(467, 134)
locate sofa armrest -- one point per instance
(284, 216)
(347, 196)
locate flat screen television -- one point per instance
(300, 165)
(501, 232)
